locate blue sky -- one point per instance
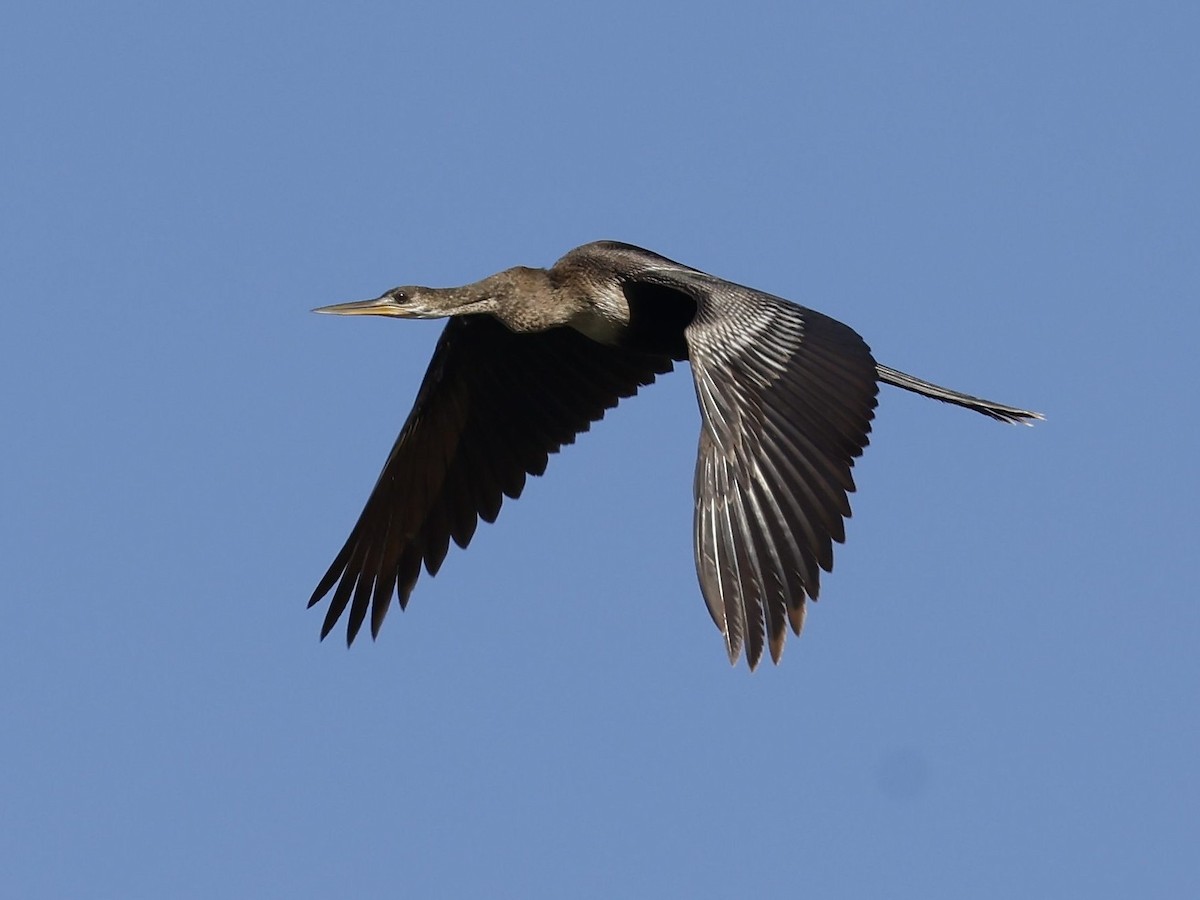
(996, 695)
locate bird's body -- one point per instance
(531, 357)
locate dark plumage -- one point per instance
(531, 357)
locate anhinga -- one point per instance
(531, 357)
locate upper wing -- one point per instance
(492, 406)
(787, 397)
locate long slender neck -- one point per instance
(523, 299)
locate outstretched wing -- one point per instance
(492, 406)
(787, 397)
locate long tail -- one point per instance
(926, 389)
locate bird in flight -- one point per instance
(531, 357)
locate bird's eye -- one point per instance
(398, 295)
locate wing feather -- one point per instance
(492, 407)
(787, 396)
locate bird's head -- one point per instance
(407, 302)
(416, 302)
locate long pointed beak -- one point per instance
(380, 306)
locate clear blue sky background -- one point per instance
(995, 697)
